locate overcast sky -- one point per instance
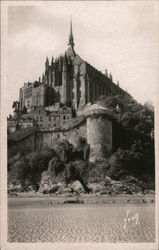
(118, 36)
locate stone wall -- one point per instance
(23, 145)
(96, 129)
(50, 138)
(99, 136)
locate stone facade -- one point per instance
(69, 80)
(44, 119)
(99, 131)
(11, 126)
(96, 129)
(26, 121)
(99, 137)
(34, 95)
(60, 118)
(50, 138)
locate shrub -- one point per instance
(18, 171)
(28, 169)
(125, 162)
(56, 166)
(97, 171)
(64, 150)
(77, 171)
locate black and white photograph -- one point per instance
(79, 90)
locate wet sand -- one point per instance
(34, 220)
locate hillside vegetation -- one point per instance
(52, 170)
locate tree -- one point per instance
(10, 117)
(77, 171)
(56, 166)
(82, 148)
(17, 112)
(16, 109)
(38, 162)
(126, 162)
(65, 150)
(18, 171)
(138, 122)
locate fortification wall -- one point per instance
(97, 129)
(22, 145)
(99, 136)
(50, 138)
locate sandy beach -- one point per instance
(99, 219)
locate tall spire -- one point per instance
(71, 42)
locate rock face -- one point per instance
(110, 186)
(48, 184)
(52, 188)
(77, 187)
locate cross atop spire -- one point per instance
(71, 42)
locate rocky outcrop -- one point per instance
(110, 186)
(107, 187)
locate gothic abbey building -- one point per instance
(67, 80)
(61, 106)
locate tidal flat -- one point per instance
(99, 219)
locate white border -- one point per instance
(3, 156)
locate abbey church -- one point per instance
(67, 80)
(61, 105)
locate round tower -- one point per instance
(99, 132)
